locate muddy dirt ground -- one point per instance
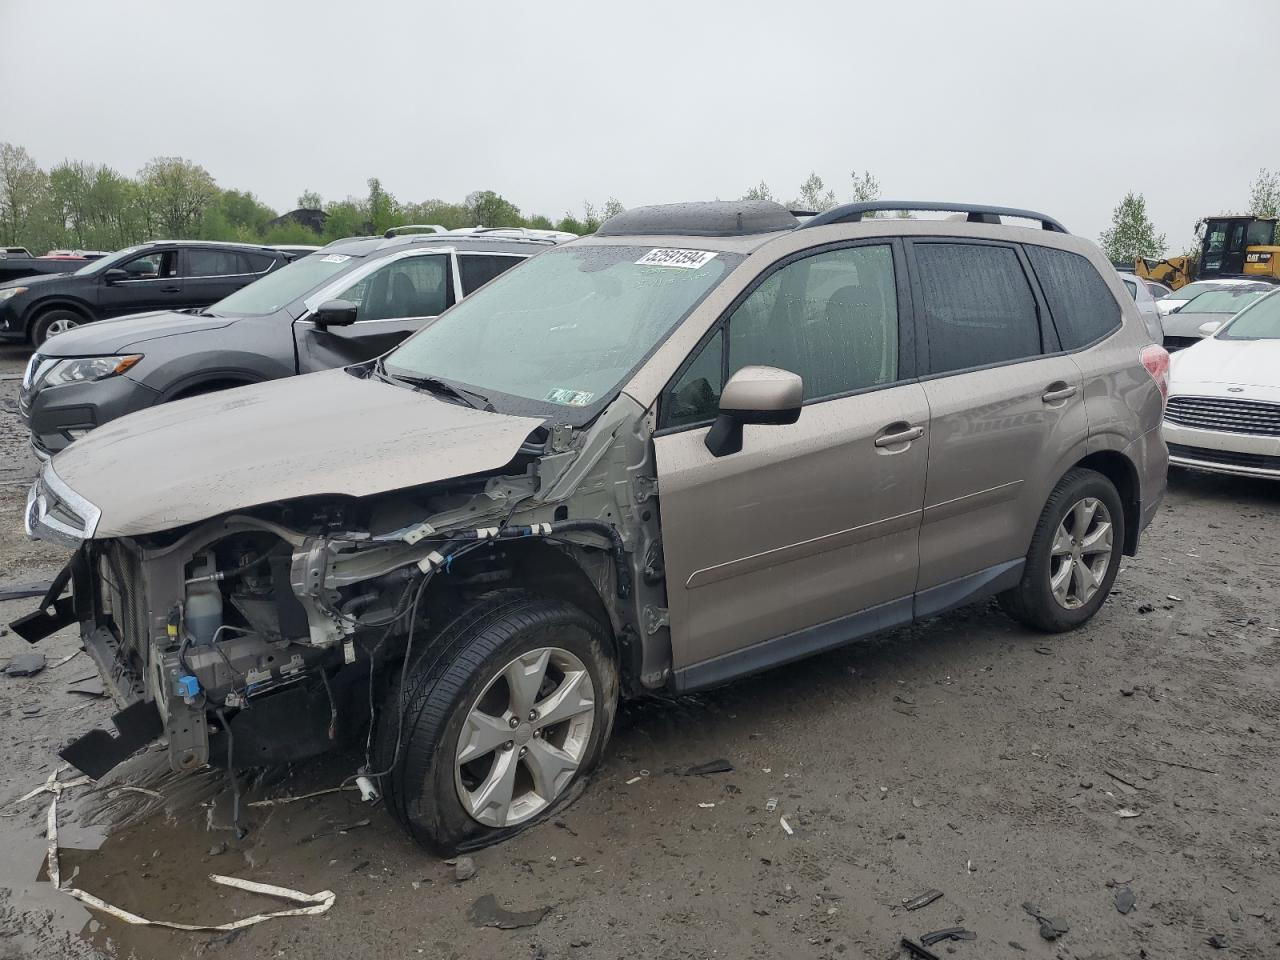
(965, 755)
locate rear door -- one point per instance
(1006, 411)
(808, 536)
(393, 299)
(152, 281)
(211, 273)
(477, 269)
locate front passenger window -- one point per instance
(408, 287)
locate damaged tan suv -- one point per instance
(706, 441)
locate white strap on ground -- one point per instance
(315, 903)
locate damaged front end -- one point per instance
(267, 636)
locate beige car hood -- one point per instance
(324, 433)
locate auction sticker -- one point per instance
(335, 258)
(668, 257)
(570, 398)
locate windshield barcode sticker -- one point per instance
(665, 257)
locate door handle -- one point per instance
(1058, 391)
(170, 289)
(901, 436)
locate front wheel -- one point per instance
(51, 323)
(496, 737)
(1074, 555)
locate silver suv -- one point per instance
(708, 440)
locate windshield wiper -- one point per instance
(439, 387)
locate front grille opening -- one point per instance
(1221, 413)
(1228, 458)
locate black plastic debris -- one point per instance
(25, 665)
(1125, 899)
(711, 766)
(485, 912)
(950, 933)
(923, 900)
(1217, 941)
(1050, 928)
(917, 951)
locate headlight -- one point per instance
(10, 293)
(85, 369)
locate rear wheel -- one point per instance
(51, 323)
(1074, 555)
(509, 711)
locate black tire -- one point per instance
(42, 324)
(438, 691)
(1032, 601)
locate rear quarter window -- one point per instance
(1083, 306)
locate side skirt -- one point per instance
(836, 633)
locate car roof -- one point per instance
(467, 242)
(228, 244)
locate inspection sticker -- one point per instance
(665, 257)
(570, 398)
(335, 258)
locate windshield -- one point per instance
(564, 330)
(1227, 300)
(283, 286)
(103, 263)
(1260, 322)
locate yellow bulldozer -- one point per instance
(1230, 246)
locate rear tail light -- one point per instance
(1156, 359)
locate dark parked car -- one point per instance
(162, 274)
(17, 262)
(350, 301)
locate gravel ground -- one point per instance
(965, 755)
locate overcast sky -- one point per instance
(1058, 106)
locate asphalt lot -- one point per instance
(965, 755)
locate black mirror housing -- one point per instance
(115, 275)
(336, 313)
(764, 395)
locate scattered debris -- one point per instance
(1217, 941)
(314, 903)
(1146, 608)
(341, 831)
(218, 849)
(707, 806)
(1128, 814)
(634, 780)
(485, 912)
(950, 933)
(1126, 786)
(24, 591)
(278, 801)
(1050, 929)
(917, 951)
(923, 900)
(1127, 691)
(771, 804)
(1234, 914)
(67, 659)
(711, 766)
(1125, 899)
(91, 688)
(145, 791)
(917, 802)
(1044, 651)
(1086, 784)
(25, 665)
(464, 868)
(1175, 599)
(785, 826)
(1175, 763)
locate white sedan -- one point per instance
(1223, 413)
(1171, 302)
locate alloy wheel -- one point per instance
(525, 737)
(1081, 553)
(61, 325)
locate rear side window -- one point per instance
(978, 305)
(212, 263)
(478, 269)
(1083, 307)
(255, 262)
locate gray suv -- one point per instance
(349, 301)
(708, 440)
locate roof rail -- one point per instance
(977, 213)
(406, 227)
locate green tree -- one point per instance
(176, 193)
(451, 216)
(1131, 234)
(491, 209)
(1264, 194)
(612, 207)
(310, 200)
(23, 189)
(814, 195)
(539, 222)
(865, 186)
(347, 218)
(382, 209)
(760, 191)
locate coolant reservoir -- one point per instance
(204, 604)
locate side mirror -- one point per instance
(115, 275)
(1210, 327)
(336, 313)
(754, 395)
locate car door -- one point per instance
(808, 536)
(211, 273)
(152, 281)
(1006, 411)
(393, 299)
